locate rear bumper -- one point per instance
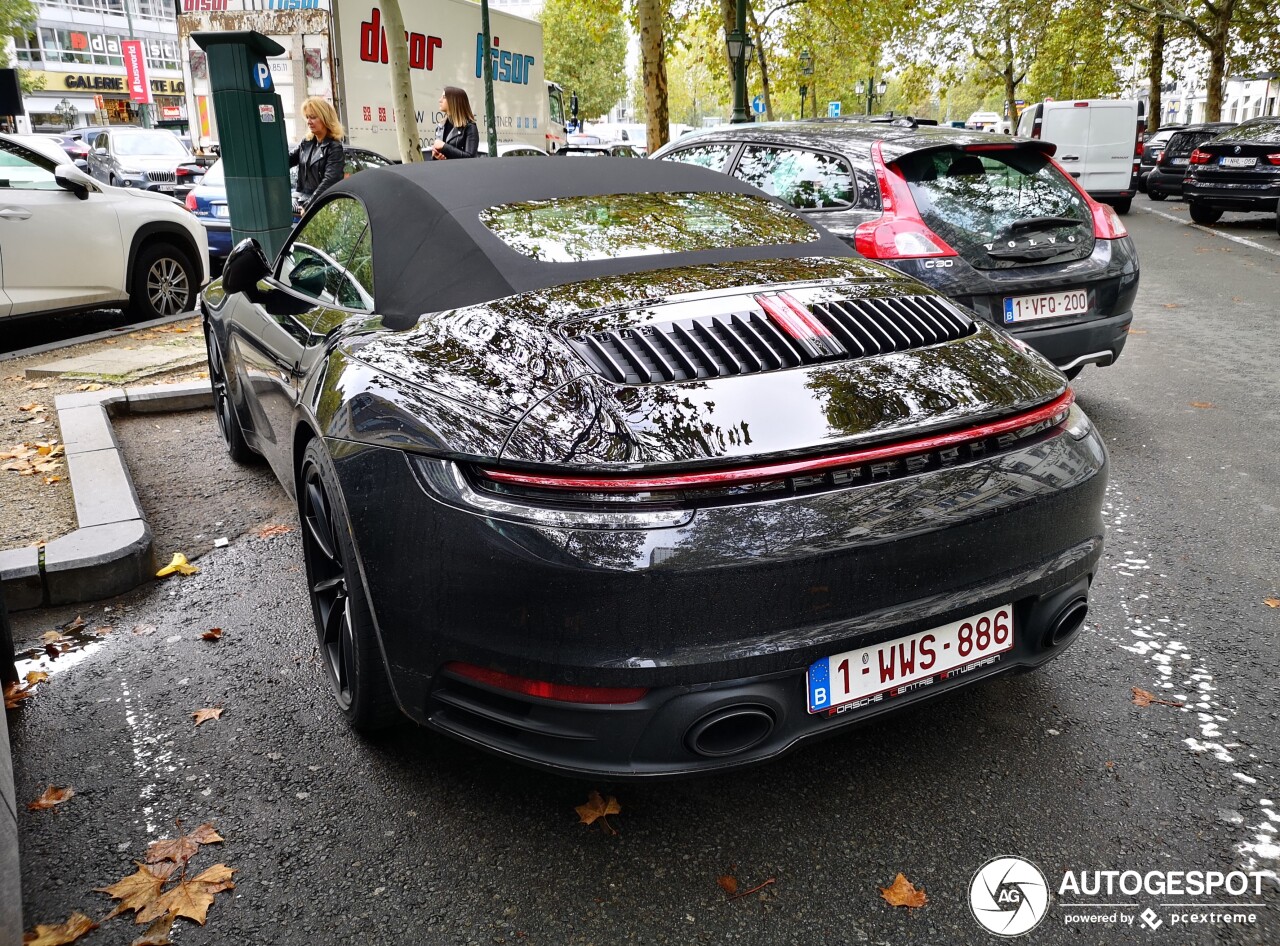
(219, 235)
(1168, 182)
(726, 621)
(1257, 197)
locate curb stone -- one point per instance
(112, 551)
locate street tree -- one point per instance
(653, 58)
(15, 16)
(401, 85)
(584, 45)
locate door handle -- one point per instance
(14, 213)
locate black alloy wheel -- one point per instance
(1204, 215)
(349, 650)
(228, 423)
(1122, 205)
(164, 283)
(1156, 195)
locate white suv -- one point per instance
(69, 242)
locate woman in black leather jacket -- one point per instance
(458, 137)
(319, 157)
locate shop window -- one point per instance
(27, 47)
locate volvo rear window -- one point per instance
(992, 194)
(580, 229)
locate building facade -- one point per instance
(1244, 97)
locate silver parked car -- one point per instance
(148, 159)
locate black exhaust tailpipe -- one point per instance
(730, 730)
(1067, 622)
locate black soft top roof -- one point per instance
(431, 252)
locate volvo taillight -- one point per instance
(1200, 157)
(900, 232)
(1107, 224)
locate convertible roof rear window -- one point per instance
(581, 229)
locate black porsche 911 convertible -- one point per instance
(638, 474)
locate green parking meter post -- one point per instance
(255, 155)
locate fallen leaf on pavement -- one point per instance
(142, 630)
(1172, 305)
(52, 480)
(31, 408)
(1146, 698)
(1203, 405)
(52, 797)
(1271, 602)
(1137, 331)
(270, 531)
(140, 888)
(180, 850)
(94, 386)
(213, 634)
(188, 898)
(178, 565)
(216, 878)
(15, 693)
(157, 934)
(597, 808)
(728, 883)
(36, 385)
(46, 934)
(206, 714)
(35, 676)
(903, 893)
(75, 624)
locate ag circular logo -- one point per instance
(1008, 896)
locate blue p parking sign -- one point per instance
(833, 109)
(262, 76)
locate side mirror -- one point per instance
(82, 164)
(73, 179)
(245, 265)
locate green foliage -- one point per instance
(585, 47)
(15, 15)
(31, 81)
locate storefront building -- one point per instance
(77, 51)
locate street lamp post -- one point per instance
(740, 48)
(806, 70)
(872, 89)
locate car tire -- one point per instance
(165, 282)
(1205, 215)
(349, 651)
(1156, 195)
(1123, 204)
(223, 409)
(1278, 220)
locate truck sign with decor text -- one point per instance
(446, 47)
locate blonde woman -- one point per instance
(458, 136)
(319, 157)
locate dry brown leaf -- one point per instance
(75, 624)
(903, 893)
(52, 480)
(596, 808)
(157, 934)
(206, 834)
(206, 714)
(1271, 602)
(216, 878)
(142, 630)
(139, 889)
(179, 850)
(52, 637)
(1146, 698)
(272, 530)
(31, 408)
(213, 634)
(46, 934)
(93, 386)
(35, 676)
(177, 565)
(40, 385)
(728, 883)
(1137, 331)
(188, 898)
(15, 693)
(1203, 405)
(51, 798)
(1172, 305)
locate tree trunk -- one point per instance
(764, 68)
(654, 68)
(401, 88)
(1155, 76)
(1010, 83)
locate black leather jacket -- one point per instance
(461, 142)
(319, 165)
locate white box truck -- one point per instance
(446, 47)
(1099, 143)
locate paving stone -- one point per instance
(103, 489)
(20, 578)
(86, 428)
(121, 364)
(98, 562)
(155, 398)
(106, 397)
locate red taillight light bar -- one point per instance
(1200, 157)
(1273, 159)
(1107, 224)
(900, 232)
(190, 202)
(563, 692)
(773, 471)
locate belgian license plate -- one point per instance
(1179, 160)
(894, 665)
(1050, 305)
(221, 210)
(1234, 162)
(165, 188)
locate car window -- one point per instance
(1261, 132)
(712, 156)
(1185, 142)
(965, 195)
(804, 179)
(101, 141)
(159, 144)
(361, 161)
(23, 169)
(316, 264)
(215, 176)
(578, 229)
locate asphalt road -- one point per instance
(417, 840)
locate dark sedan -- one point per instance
(644, 478)
(1166, 176)
(1152, 145)
(994, 223)
(1238, 170)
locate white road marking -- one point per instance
(1218, 233)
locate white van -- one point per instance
(987, 121)
(1099, 143)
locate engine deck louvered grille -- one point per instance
(751, 342)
